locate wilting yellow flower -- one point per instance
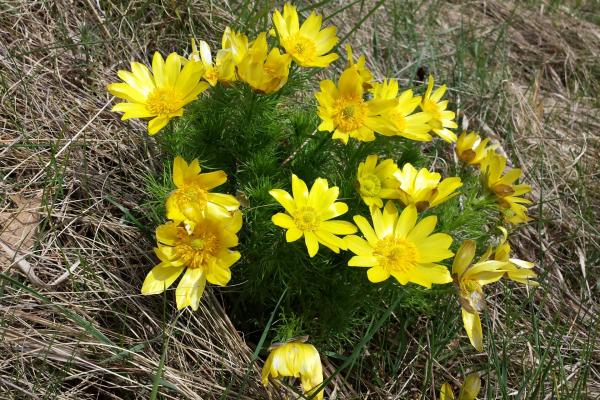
(364, 73)
(471, 148)
(415, 126)
(469, 391)
(265, 73)
(377, 182)
(504, 187)
(441, 119)
(298, 360)
(517, 270)
(203, 253)
(344, 112)
(398, 246)
(308, 215)
(236, 43)
(192, 201)
(223, 69)
(469, 280)
(160, 94)
(307, 44)
(423, 188)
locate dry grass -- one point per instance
(94, 336)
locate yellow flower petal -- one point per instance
(472, 325)
(190, 288)
(160, 278)
(377, 275)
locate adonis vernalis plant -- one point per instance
(250, 116)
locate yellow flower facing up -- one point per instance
(441, 119)
(408, 124)
(469, 391)
(377, 182)
(159, 94)
(192, 201)
(309, 214)
(516, 270)
(503, 186)
(469, 280)
(203, 253)
(365, 74)
(396, 245)
(307, 44)
(423, 188)
(344, 111)
(471, 148)
(298, 360)
(222, 70)
(264, 71)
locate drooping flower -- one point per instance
(396, 245)
(505, 189)
(441, 119)
(365, 74)
(191, 201)
(309, 215)
(469, 391)
(469, 280)
(307, 44)
(376, 181)
(204, 253)
(472, 148)
(423, 188)
(517, 270)
(415, 126)
(222, 70)
(344, 111)
(159, 94)
(264, 71)
(295, 359)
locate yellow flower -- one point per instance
(469, 280)
(469, 390)
(265, 73)
(307, 44)
(203, 253)
(222, 70)
(398, 246)
(344, 112)
(441, 119)
(160, 94)
(517, 270)
(504, 187)
(377, 181)
(191, 201)
(364, 73)
(295, 359)
(236, 43)
(471, 148)
(423, 188)
(415, 126)
(308, 215)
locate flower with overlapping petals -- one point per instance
(472, 148)
(345, 112)
(423, 188)
(201, 254)
(295, 359)
(408, 124)
(442, 120)
(516, 270)
(191, 201)
(505, 189)
(398, 246)
(376, 181)
(308, 44)
(309, 214)
(365, 74)
(221, 70)
(236, 43)
(160, 94)
(469, 390)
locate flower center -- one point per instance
(191, 196)
(164, 101)
(399, 120)
(349, 113)
(306, 219)
(370, 185)
(301, 48)
(397, 255)
(432, 108)
(197, 249)
(211, 75)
